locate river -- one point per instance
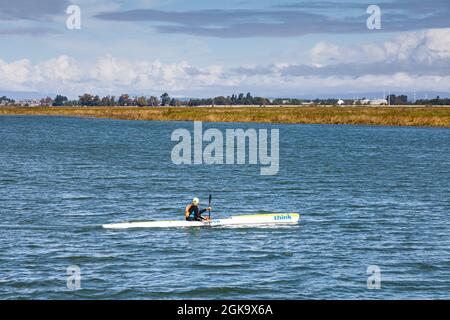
(368, 196)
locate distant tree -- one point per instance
(194, 102)
(46, 101)
(438, 101)
(221, 101)
(153, 101)
(86, 100)
(233, 99)
(261, 101)
(96, 101)
(397, 100)
(165, 99)
(107, 101)
(141, 102)
(72, 103)
(59, 101)
(175, 102)
(124, 100)
(248, 98)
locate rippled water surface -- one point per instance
(366, 195)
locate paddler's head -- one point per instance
(195, 201)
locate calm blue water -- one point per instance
(367, 195)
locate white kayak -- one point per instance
(243, 220)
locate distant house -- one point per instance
(378, 102)
(362, 101)
(4, 101)
(373, 102)
(29, 103)
(340, 102)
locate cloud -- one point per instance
(62, 69)
(419, 60)
(417, 54)
(14, 75)
(31, 9)
(302, 18)
(106, 75)
(35, 14)
(225, 23)
(424, 47)
(406, 6)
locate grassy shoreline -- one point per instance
(386, 116)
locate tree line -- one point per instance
(165, 100)
(152, 101)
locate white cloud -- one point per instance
(14, 75)
(324, 53)
(105, 75)
(61, 69)
(400, 58)
(108, 69)
(422, 47)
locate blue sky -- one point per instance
(204, 48)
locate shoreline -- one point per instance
(350, 115)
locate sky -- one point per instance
(203, 48)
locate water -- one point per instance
(367, 196)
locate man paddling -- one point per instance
(193, 213)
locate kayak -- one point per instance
(242, 220)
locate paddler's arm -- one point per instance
(186, 212)
(203, 211)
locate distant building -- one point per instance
(362, 101)
(373, 102)
(340, 102)
(378, 102)
(29, 103)
(4, 101)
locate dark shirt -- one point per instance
(195, 214)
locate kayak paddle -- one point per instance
(209, 205)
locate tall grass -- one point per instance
(389, 116)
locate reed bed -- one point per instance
(386, 116)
